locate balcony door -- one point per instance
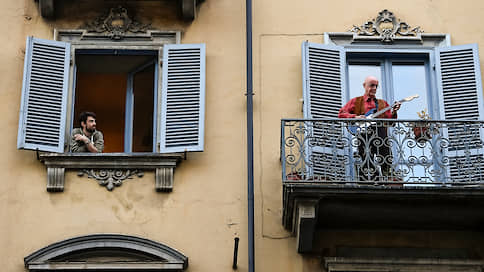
(399, 77)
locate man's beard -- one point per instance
(90, 130)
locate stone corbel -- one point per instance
(55, 179)
(46, 8)
(188, 9)
(111, 169)
(164, 179)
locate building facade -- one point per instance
(167, 80)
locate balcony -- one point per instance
(384, 174)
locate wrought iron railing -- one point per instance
(385, 151)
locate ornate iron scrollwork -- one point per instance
(110, 177)
(389, 152)
(116, 24)
(387, 27)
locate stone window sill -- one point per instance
(110, 169)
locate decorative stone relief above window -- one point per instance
(116, 24)
(386, 29)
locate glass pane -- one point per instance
(143, 84)
(357, 74)
(410, 79)
(415, 161)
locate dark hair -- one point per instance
(83, 116)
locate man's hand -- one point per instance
(79, 137)
(360, 117)
(396, 107)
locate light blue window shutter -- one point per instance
(460, 93)
(183, 98)
(324, 94)
(44, 95)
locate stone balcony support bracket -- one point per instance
(111, 169)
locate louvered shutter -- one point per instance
(460, 92)
(323, 92)
(44, 95)
(183, 98)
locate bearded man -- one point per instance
(87, 138)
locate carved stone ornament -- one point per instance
(116, 24)
(110, 177)
(386, 26)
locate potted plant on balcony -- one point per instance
(421, 129)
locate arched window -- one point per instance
(106, 252)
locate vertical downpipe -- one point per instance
(250, 136)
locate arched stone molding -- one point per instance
(106, 252)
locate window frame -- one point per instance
(387, 61)
(128, 122)
(169, 138)
(71, 94)
(81, 39)
(384, 51)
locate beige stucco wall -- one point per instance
(206, 209)
(208, 205)
(279, 29)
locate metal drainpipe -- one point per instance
(250, 136)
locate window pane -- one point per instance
(357, 74)
(410, 79)
(143, 84)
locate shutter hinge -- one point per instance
(433, 67)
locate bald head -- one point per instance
(370, 85)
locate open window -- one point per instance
(447, 78)
(126, 80)
(140, 106)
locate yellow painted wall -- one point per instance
(279, 29)
(206, 209)
(208, 205)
